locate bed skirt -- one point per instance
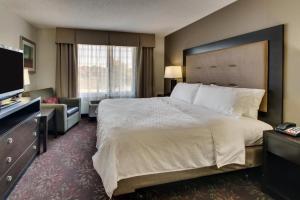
(253, 159)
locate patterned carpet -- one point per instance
(66, 172)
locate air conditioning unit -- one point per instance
(93, 105)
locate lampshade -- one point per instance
(26, 77)
(173, 72)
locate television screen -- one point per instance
(11, 72)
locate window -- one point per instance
(106, 71)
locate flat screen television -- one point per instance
(11, 73)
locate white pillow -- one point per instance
(185, 92)
(220, 99)
(247, 101)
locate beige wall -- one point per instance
(46, 59)
(12, 27)
(242, 17)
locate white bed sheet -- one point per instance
(155, 135)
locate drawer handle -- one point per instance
(34, 147)
(34, 134)
(9, 178)
(9, 159)
(10, 140)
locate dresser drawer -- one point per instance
(9, 179)
(14, 143)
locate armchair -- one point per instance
(67, 111)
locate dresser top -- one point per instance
(24, 101)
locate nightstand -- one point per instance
(281, 166)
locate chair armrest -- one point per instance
(58, 107)
(71, 102)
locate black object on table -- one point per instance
(163, 95)
(281, 168)
(47, 114)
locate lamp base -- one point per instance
(173, 84)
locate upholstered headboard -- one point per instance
(244, 66)
(253, 60)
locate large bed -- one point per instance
(151, 141)
(138, 137)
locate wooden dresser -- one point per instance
(19, 143)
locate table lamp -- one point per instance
(173, 73)
(26, 77)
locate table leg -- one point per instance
(45, 136)
(54, 126)
(39, 135)
(43, 132)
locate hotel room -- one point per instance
(137, 99)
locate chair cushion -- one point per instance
(72, 110)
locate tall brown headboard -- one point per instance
(252, 60)
(244, 66)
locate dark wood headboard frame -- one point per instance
(275, 37)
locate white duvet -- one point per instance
(154, 135)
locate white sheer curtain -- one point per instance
(106, 72)
(122, 71)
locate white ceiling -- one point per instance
(149, 16)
